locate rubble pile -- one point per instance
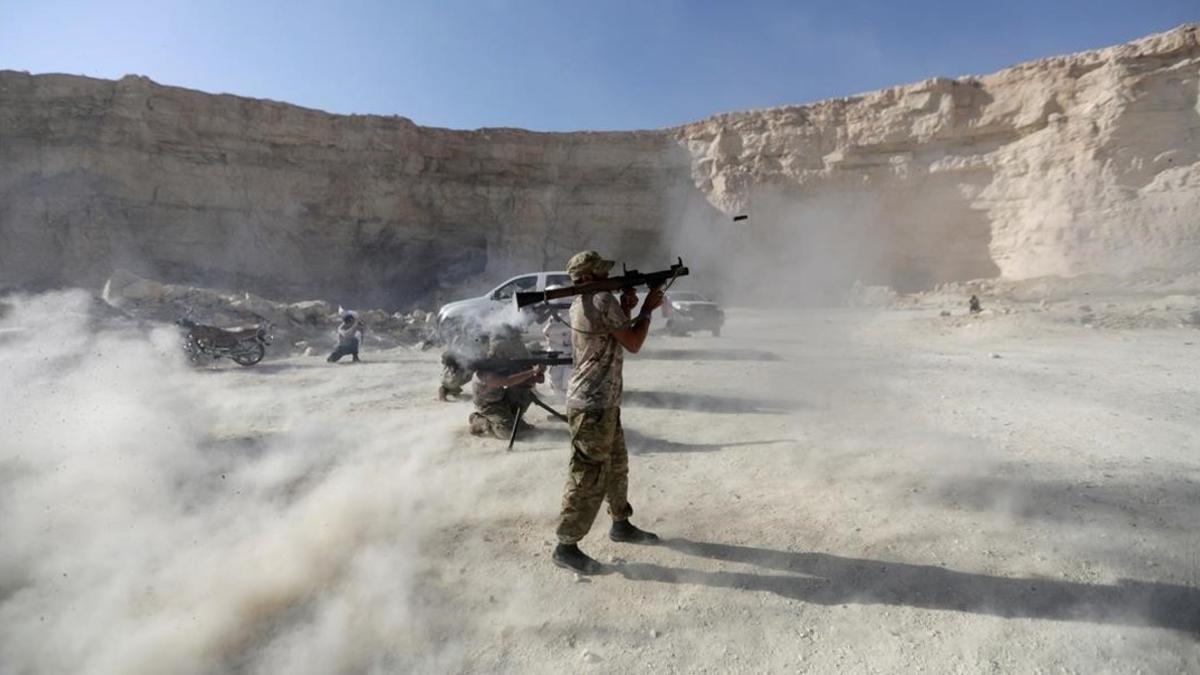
(296, 326)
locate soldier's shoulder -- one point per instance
(605, 298)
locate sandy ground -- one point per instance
(838, 490)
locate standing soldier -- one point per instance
(599, 469)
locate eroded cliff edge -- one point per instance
(1088, 163)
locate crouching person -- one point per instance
(457, 370)
(349, 337)
(455, 375)
(501, 396)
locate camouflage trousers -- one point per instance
(497, 419)
(599, 472)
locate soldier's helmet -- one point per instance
(587, 262)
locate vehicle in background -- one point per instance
(497, 306)
(683, 311)
(246, 345)
(687, 311)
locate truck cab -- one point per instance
(497, 305)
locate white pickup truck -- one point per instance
(497, 306)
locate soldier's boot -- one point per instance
(442, 392)
(569, 556)
(480, 425)
(628, 533)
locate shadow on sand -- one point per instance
(278, 367)
(708, 355)
(641, 444)
(313, 364)
(1166, 504)
(636, 442)
(707, 402)
(827, 579)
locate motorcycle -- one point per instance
(246, 346)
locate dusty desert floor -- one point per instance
(838, 490)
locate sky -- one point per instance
(557, 65)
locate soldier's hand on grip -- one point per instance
(629, 299)
(654, 300)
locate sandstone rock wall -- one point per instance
(1087, 163)
(285, 201)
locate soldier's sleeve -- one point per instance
(578, 317)
(611, 314)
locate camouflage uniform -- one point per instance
(456, 360)
(455, 374)
(599, 468)
(497, 408)
(465, 347)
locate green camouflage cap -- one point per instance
(587, 262)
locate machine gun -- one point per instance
(510, 366)
(502, 366)
(629, 279)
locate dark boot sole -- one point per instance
(634, 540)
(567, 566)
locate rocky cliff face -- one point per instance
(1088, 163)
(1085, 163)
(228, 191)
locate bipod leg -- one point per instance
(561, 417)
(512, 438)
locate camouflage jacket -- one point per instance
(596, 381)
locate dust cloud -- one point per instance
(808, 248)
(831, 479)
(146, 532)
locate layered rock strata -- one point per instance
(1088, 163)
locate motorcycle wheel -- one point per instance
(251, 356)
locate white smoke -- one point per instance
(145, 531)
